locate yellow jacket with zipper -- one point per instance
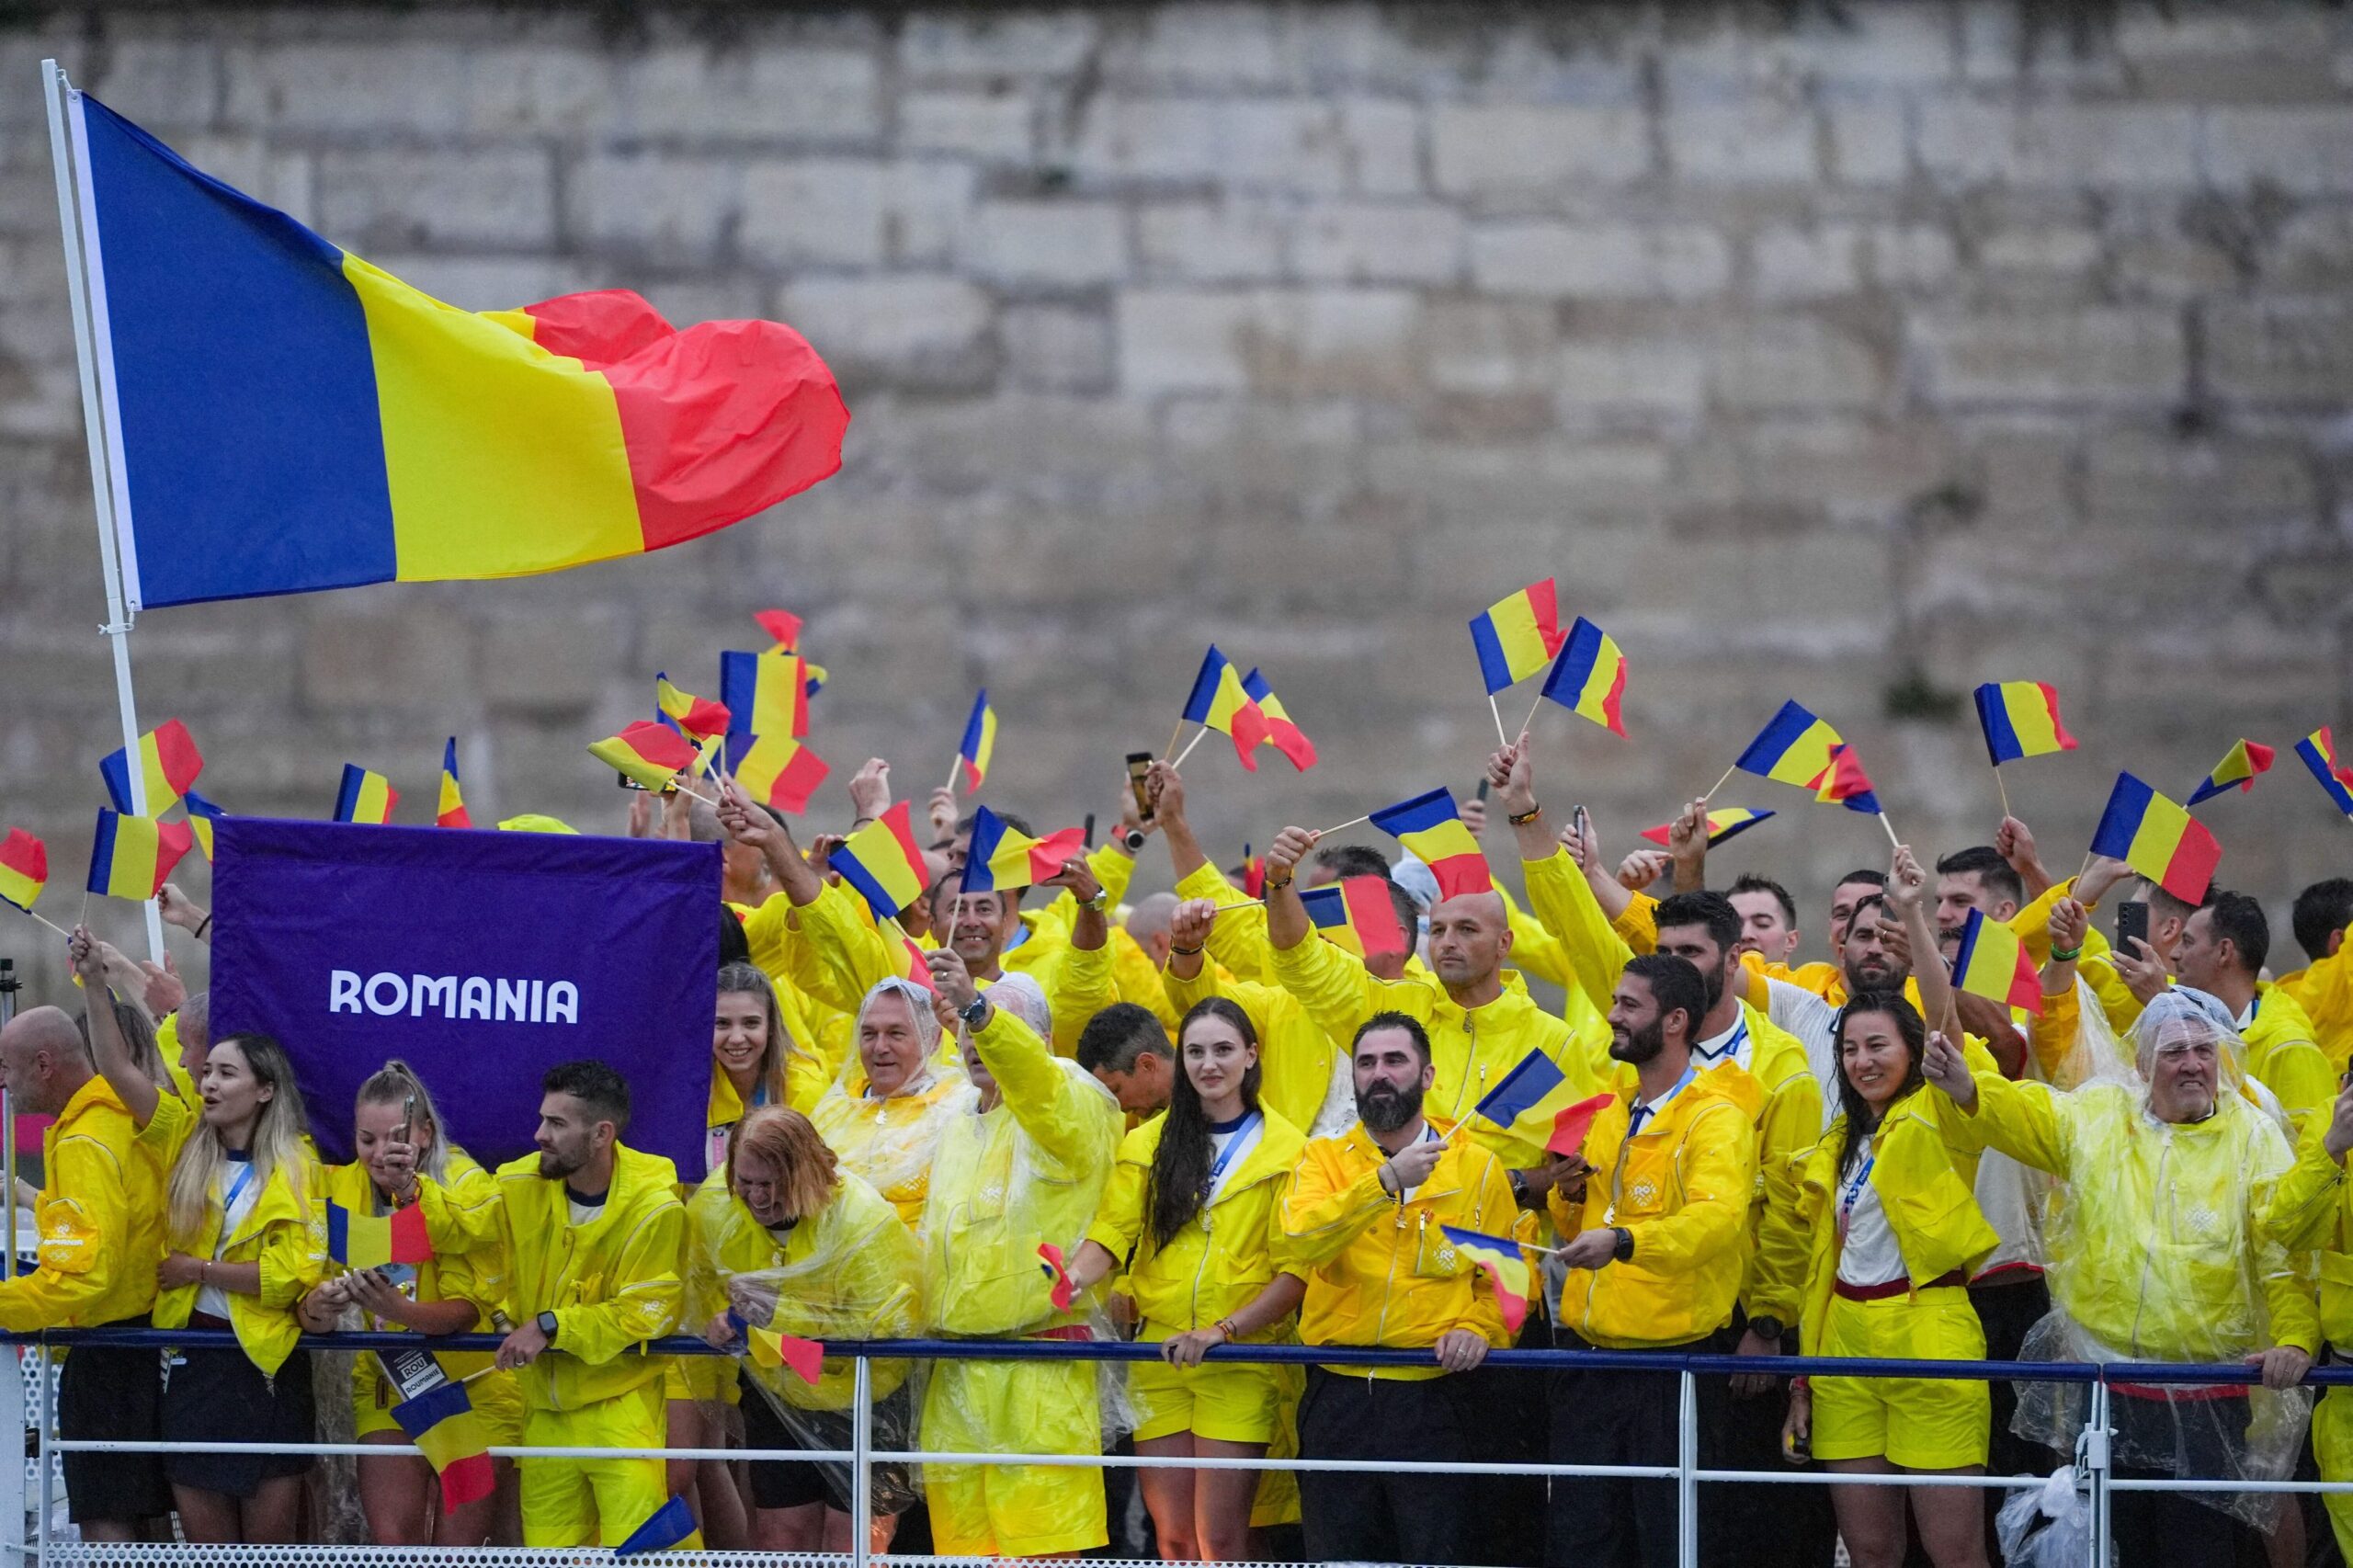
(98, 1221)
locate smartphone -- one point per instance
(1140, 764)
(1483, 791)
(1576, 819)
(2131, 921)
(628, 783)
(1088, 834)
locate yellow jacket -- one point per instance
(2157, 1246)
(1682, 1185)
(850, 1271)
(1029, 1171)
(1238, 938)
(1296, 1058)
(890, 1143)
(2324, 991)
(1380, 1272)
(2283, 1049)
(281, 1233)
(612, 1283)
(478, 1277)
(2312, 1211)
(1231, 1251)
(1473, 1049)
(1788, 1113)
(99, 1221)
(1938, 1227)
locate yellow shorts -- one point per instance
(595, 1502)
(1917, 1423)
(2333, 1448)
(1040, 1407)
(496, 1396)
(1228, 1403)
(704, 1377)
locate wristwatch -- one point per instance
(1099, 902)
(1624, 1250)
(974, 1013)
(1766, 1327)
(547, 1327)
(1133, 839)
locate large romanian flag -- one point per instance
(285, 417)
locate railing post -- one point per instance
(12, 1424)
(2096, 1458)
(1687, 1463)
(861, 1475)
(42, 1397)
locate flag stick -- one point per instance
(1350, 822)
(1893, 842)
(1173, 735)
(955, 770)
(1178, 761)
(43, 919)
(697, 794)
(1535, 708)
(2003, 788)
(1500, 739)
(470, 1377)
(1720, 784)
(1248, 904)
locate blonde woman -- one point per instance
(396, 1137)
(241, 1247)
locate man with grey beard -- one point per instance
(1366, 1215)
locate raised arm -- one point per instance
(1558, 892)
(1070, 1118)
(1907, 886)
(749, 824)
(1239, 939)
(116, 1066)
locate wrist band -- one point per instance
(2069, 956)
(1225, 1326)
(1185, 952)
(1274, 886)
(202, 927)
(1524, 818)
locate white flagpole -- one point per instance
(70, 208)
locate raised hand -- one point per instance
(869, 789)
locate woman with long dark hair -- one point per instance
(1194, 1210)
(1896, 1234)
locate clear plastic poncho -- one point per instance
(892, 1141)
(2155, 1255)
(850, 1271)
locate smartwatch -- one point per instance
(547, 1327)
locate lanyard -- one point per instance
(236, 1190)
(1634, 1120)
(1244, 1135)
(1729, 1049)
(1852, 1193)
(1642, 1113)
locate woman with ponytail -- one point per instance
(397, 1136)
(1194, 1211)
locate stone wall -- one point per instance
(1854, 353)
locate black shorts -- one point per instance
(790, 1483)
(108, 1393)
(220, 1396)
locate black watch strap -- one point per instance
(547, 1322)
(1625, 1247)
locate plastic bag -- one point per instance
(2049, 1526)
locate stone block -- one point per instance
(1600, 261)
(2312, 249)
(1380, 242)
(1871, 142)
(2261, 53)
(2092, 357)
(531, 90)
(1046, 244)
(1231, 241)
(991, 45)
(389, 84)
(1272, 340)
(1759, 141)
(387, 198)
(855, 211)
(1051, 349)
(993, 126)
(1175, 340)
(2282, 351)
(1507, 150)
(161, 83)
(909, 328)
(2306, 150)
(1206, 48)
(358, 657)
(2144, 479)
(285, 178)
(1490, 348)
(1969, 140)
(1284, 145)
(671, 209)
(488, 282)
(1653, 378)
(818, 95)
(2066, 252)
(1814, 263)
(1794, 364)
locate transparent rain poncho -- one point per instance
(2156, 1253)
(892, 1141)
(850, 1271)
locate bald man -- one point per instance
(99, 1222)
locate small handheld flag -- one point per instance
(1002, 859)
(1532, 1105)
(365, 797)
(1219, 703)
(2020, 719)
(769, 1348)
(1254, 874)
(1792, 748)
(1506, 1267)
(697, 716)
(671, 1523)
(451, 809)
(883, 862)
(764, 693)
(1432, 830)
(1993, 963)
(1846, 784)
(441, 1421)
(1589, 677)
(2319, 752)
(202, 814)
(130, 857)
(24, 869)
(1724, 822)
(979, 744)
(169, 764)
(2158, 838)
(652, 754)
(780, 624)
(1517, 635)
(1281, 733)
(1357, 915)
(776, 770)
(371, 1241)
(2240, 766)
(1065, 1288)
